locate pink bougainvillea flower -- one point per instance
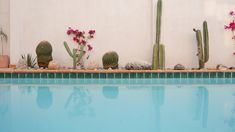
(231, 13)
(83, 42)
(69, 31)
(91, 32)
(230, 26)
(89, 47)
(75, 39)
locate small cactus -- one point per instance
(30, 60)
(110, 60)
(203, 49)
(76, 57)
(44, 54)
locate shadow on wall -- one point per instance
(202, 105)
(110, 92)
(44, 97)
(78, 103)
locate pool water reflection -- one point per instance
(117, 108)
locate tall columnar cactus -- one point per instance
(44, 54)
(74, 54)
(203, 45)
(110, 60)
(158, 61)
(162, 56)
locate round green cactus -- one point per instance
(44, 54)
(110, 60)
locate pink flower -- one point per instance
(231, 13)
(69, 31)
(83, 42)
(233, 53)
(89, 47)
(91, 32)
(230, 26)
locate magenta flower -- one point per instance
(89, 47)
(231, 13)
(69, 31)
(81, 38)
(83, 42)
(231, 26)
(91, 32)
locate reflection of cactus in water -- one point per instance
(5, 98)
(78, 103)
(158, 95)
(44, 97)
(26, 89)
(110, 92)
(202, 105)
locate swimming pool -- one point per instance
(117, 105)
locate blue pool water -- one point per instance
(170, 105)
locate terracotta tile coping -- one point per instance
(106, 71)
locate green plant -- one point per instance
(3, 37)
(76, 57)
(81, 39)
(110, 60)
(158, 61)
(44, 54)
(203, 45)
(31, 61)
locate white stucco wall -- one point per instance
(5, 23)
(125, 26)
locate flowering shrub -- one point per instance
(231, 25)
(81, 38)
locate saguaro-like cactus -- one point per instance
(158, 61)
(203, 45)
(74, 54)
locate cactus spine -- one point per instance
(74, 54)
(203, 45)
(158, 61)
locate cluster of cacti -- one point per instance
(110, 60)
(158, 61)
(203, 48)
(74, 54)
(44, 54)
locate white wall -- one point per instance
(5, 23)
(125, 26)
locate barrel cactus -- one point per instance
(44, 54)
(110, 60)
